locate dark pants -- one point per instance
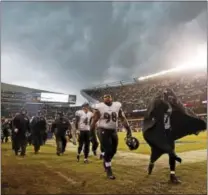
(109, 143)
(157, 152)
(12, 139)
(172, 162)
(4, 138)
(29, 139)
(84, 140)
(94, 142)
(45, 135)
(98, 135)
(37, 142)
(160, 141)
(19, 143)
(61, 144)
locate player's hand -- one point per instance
(129, 134)
(16, 130)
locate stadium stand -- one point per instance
(191, 88)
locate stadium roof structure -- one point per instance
(17, 88)
(158, 75)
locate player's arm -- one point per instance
(77, 119)
(91, 119)
(125, 122)
(69, 127)
(28, 125)
(16, 123)
(53, 127)
(94, 120)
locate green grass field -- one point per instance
(47, 173)
(188, 145)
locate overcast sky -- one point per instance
(68, 46)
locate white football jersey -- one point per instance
(108, 115)
(84, 121)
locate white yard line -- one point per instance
(68, 179)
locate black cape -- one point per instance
(183, 122)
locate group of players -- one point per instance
(99, 121)
(166, 120)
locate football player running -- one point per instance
(83, 120)
(106, 116)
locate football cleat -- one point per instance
(86, 161)
(174, 179)
(110, 173)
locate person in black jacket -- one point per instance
(38, 129)
(21, 127)
(59, 128)
(12, 131)
(165, 121)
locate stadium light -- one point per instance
(199, 61)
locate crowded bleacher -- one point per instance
(191, 88)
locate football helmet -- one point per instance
(132, 143)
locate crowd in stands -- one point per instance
(190, 88)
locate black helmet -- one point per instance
(132, 143)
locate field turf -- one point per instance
(188, 143)
(47, 173)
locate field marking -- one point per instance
(130, 158)
(68, 179)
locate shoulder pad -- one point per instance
(117, 104)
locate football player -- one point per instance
(83, 120)
(106, 116)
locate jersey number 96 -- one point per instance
(110, 117)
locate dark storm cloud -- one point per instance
(73, 45)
